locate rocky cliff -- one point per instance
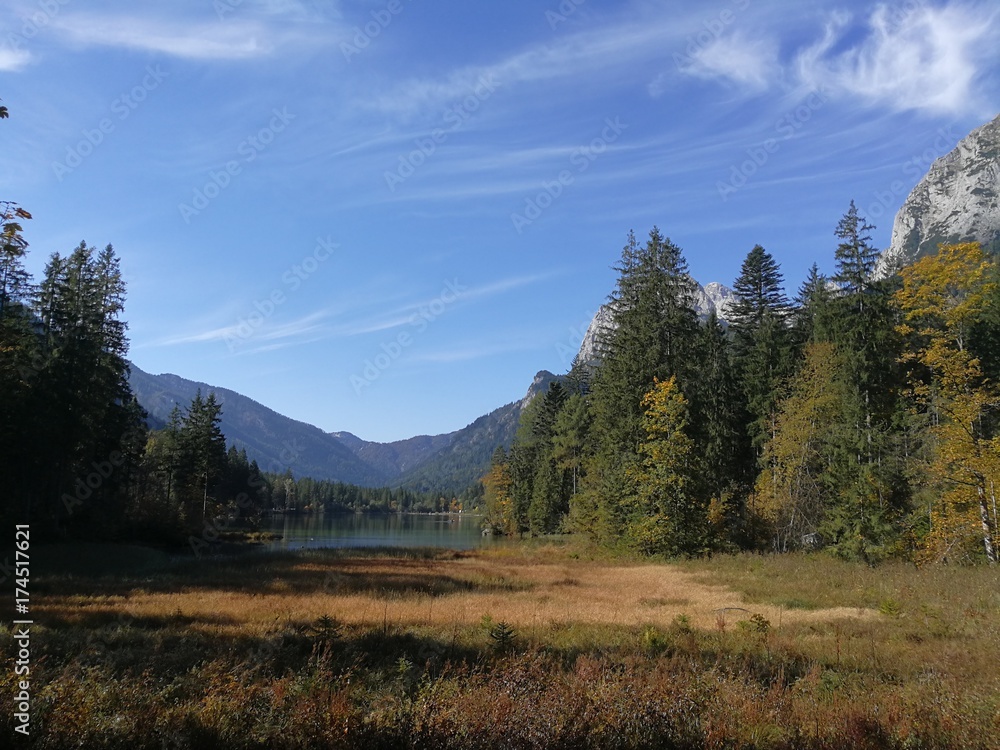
(712, 296)
(956, 201)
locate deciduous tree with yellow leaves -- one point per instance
(941, 299)
(666, 514)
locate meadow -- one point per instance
(546, 645)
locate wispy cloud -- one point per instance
(590, 53)
(244, 331)
(751, 63)
(12, 60)
(472, 351)
(928, 58)
(235, 39)
(404, 314)
(322, 324)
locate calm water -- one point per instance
(302, 531)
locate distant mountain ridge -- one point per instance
(445, 463)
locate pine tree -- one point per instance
(873, 494)
(757, 293)
(762, 342)
(654, 335)
(83, 401)
(570, 437)
(856, 258)
(203, 456)
(811, 311)
(719, 429)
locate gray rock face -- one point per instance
(712, 296)
(718, 297)
(956, 201)
(588, 348)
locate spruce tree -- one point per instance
(811, 311)
(762, 342)
(719, 429)
(867, 464)
(654, 336)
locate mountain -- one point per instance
(445, 463)
(464, 455)
(273, 440)
(958, 200)
(394, 459)
(712, 296)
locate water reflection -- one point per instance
(313, 531)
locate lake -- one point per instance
(313, 531)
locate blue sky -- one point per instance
(385, 217)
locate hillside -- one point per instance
(445, 463)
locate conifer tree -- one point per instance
(654, 335)
(762, 342)
(719, 432)
(811, 311)
(570, 438)
(873, 492)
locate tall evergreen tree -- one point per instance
(203, 451)
(873, 493)
(811, 312)
(654, 336)
(855, 256)
(719, 429)
(83, 397)
(759, 321)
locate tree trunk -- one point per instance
(984, 516)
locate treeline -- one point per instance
(860, 416)
(286, 493)
(77, 458)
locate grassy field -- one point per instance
(536, 646)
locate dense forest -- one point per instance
(859, 417)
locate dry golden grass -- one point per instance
(447, 590)
(769, 653)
